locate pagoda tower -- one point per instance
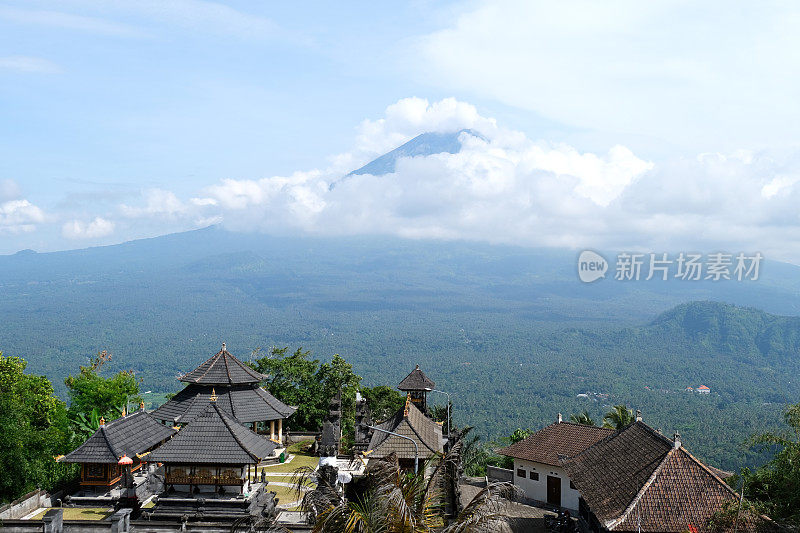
(238, 391)
(417, 385)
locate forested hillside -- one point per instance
(509, 332)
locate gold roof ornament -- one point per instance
(124, 410)
(102, 421)
(141, 405)
(213, 395)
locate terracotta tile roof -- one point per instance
(127, 435)
(223, 369)
(559, 439)
(416, 381)
(247, 403)
(637, 478)
(410, 422)
(214, 437)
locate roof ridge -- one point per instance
(227, 368)
(222, 414)
(108, 441)
(215, 356)
(612, 523)
(191, 404)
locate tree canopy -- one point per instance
(775, 487)
(34, 430)
(618, 417)
(90, 391)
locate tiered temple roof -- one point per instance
(214, 437)
(128, 435)
(223, 369)
(236, 386)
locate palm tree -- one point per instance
(398, 501)
(619, 417)
(583, 418)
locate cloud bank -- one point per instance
(692, 74)
(501, 187)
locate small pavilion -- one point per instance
(212, 454)
(131, 436)
(417, 385)
(237, 389)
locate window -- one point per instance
(520, 472)
(534, 475)
(572, 486)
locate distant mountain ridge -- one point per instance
(727, 328)
(494, 325)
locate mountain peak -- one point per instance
(424, 144)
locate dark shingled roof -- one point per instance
(410, 422)
(214, 437)
(223, 369)
(637, 477)
(559, 439)
(416, 381)
(247, 403)
(127, 435)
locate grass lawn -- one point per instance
(284, 494)
(300, 447)
(80, 513)
(298, 461)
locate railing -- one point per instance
(178, 479)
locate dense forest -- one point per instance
(510, 333)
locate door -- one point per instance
(554, 490)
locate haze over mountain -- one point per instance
(462, 310)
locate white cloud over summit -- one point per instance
(501, 187)
(505, 187)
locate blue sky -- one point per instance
(638, 125)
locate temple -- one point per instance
(131, 436)
(417, 385)
(238, 391)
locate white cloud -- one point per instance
(507, 188)
(691, 74)
(19, 216)
(503, 187)
(76, 229)
(70, 21)
(159, 203)
(29, 64)
(411, 116)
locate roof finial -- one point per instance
(638, 415)
(213, 395)
(677, 440)
(102, 421)
(560, 419)
(223, 346)
(417, 368)
(141, 405)
(124, 410)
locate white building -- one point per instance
(537, 470)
